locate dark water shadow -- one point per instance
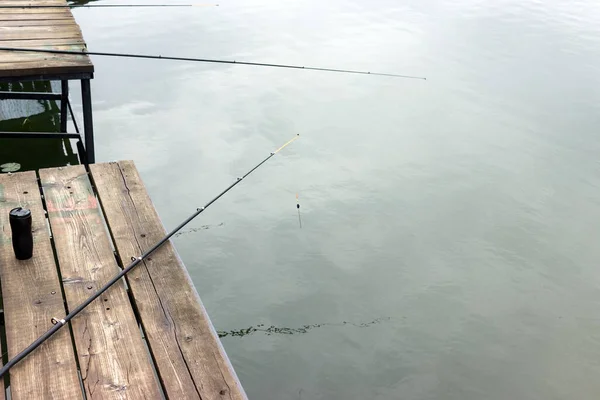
(33, 116)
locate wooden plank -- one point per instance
(187, 352)
(42, 32)
(33, 3)
(32, 296)
(32, 10)
(46, 43)
(34, 22)
(56, 34)
(26, 30)
(51, 67)
(13, 57)
(47, 15)
(112, 355)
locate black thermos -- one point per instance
(22, 237)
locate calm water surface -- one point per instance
(463, 210)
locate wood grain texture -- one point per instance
(55, 68)
(8, 33)
(79, 44)
(26, 3)
(47, 27)
(33, 22)
(33, 10)
(12, 57)
(32, 296)
(187, 352)
(46, 16)
(113, 358)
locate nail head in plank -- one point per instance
(32, 296)
(112, 355)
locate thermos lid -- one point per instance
(20, 213)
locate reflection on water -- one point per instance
(467, 203)
(33, 116)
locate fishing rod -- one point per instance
(59, 323)
(106, 5)
(204, 60)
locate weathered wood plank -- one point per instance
(13, 57)
(40, 28)
(18, 69)
(47, 43)
(33, 22)
(39, 32)
(48, 15)
(188, 354)
(32, 296)
(27, 3)
(32, 10)
(112, 355)
(43, 27)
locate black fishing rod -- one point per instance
(107, 5)
(59, 323)
(204, 60)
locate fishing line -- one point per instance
(206, 60)
(60, 322)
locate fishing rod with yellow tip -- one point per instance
(63, 6)
(60, 322)
(203, 60)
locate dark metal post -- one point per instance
(88, 129)
(64, 97)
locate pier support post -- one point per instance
(88, 129)
(64, 97)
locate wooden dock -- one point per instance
(49, 29)
(146, 337)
